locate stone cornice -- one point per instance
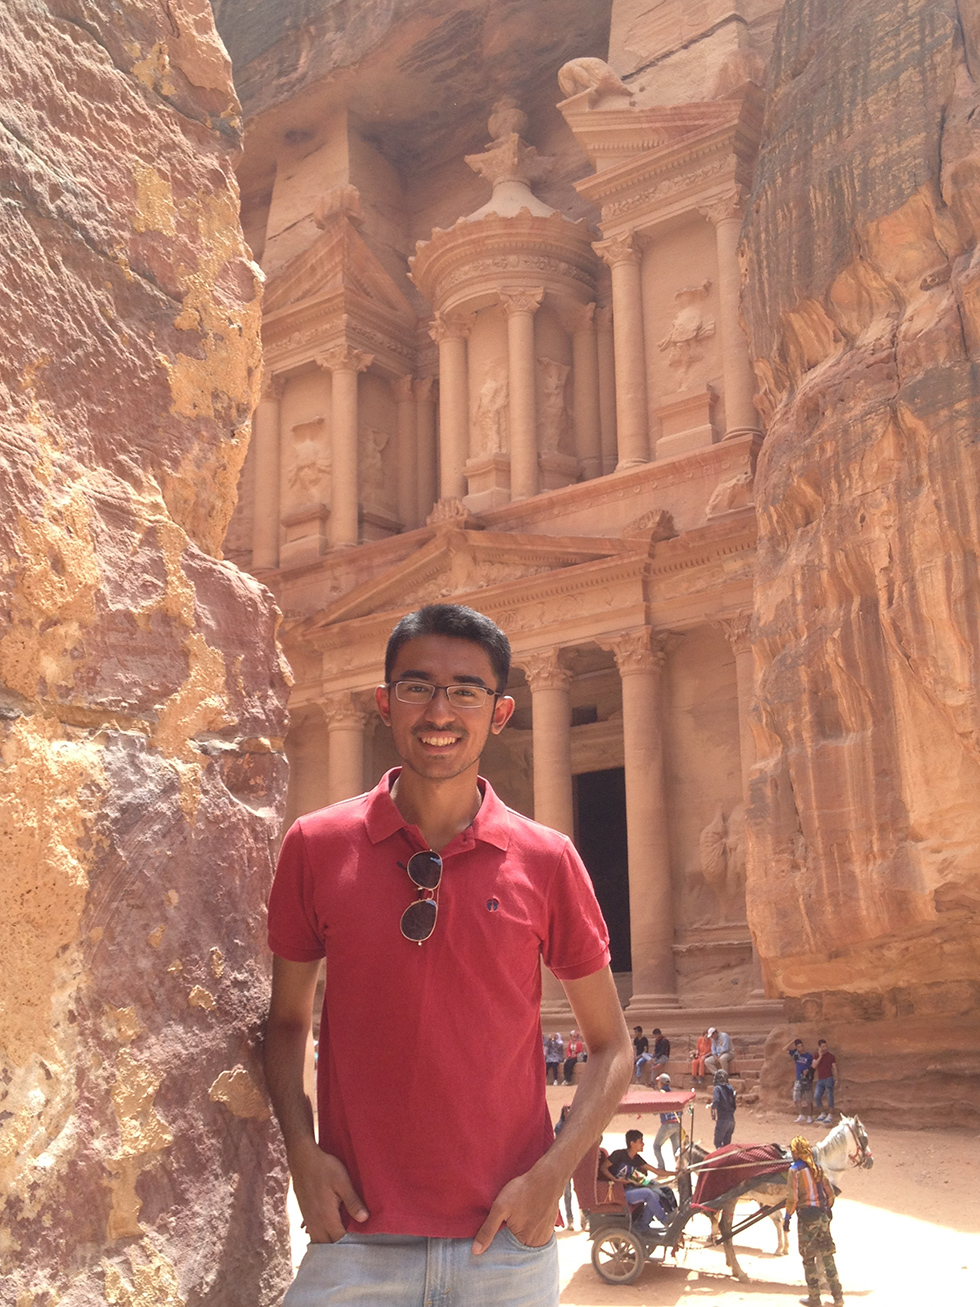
(646, 480)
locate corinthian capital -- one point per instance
(344, 359)
(730, 205)
(273, 385)
(522, 301)
(545, 671)
(455, 327)
(736, 631)
(618, 249)
(343, 711)
(577, 317)
(642, 650)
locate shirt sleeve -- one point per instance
(577, 944)
(294, 931)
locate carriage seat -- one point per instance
(598, 1197)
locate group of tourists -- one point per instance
(813, 1084)
(560, 1057)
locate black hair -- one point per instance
(656, 1031)
(460, 623)
(639, 1028)
(631, 1135)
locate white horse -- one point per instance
(846, 1144)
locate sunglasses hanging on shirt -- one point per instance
(419, 918)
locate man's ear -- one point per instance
(503, 710)
(381, 699)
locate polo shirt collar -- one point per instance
(491, 825)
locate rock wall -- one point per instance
(141, 693)
(862, 301)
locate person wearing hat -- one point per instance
(670, 1126)
(720, 1057)
(811, 1196)
(723, 1109)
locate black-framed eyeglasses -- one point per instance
(460, 695)
(419, 918)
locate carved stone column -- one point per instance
(736, 631)
(454, 412)
(551, 725)
(307, 750)
(551, 721)
(407, 451)
(345, 723)
(265, 452)
(640, 658)
(606, 356)
(520, 308)
(623, 258)
(425, 437)
(585, 390)
(344, 364)
(741, 416)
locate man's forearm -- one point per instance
(595, 1102)
(285, 1059)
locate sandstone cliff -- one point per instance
(141, 695)
(863, 306)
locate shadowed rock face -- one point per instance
(863, 308)
(141, 694)
(419, 78)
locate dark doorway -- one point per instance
(600, 817)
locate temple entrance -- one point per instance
(600, 835)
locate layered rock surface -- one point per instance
(141, 693)
(863, 305)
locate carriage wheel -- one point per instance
(618, 1256)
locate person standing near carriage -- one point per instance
(823, 1069)
(803, 1084)
(811, 1196)
(723, 1109)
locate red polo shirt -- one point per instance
(429, 1127)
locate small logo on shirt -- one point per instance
(493, 905)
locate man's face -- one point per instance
(436, 740)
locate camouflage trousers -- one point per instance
(816, 1246)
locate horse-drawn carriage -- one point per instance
(710, 1184)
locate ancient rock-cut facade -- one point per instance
(505, 252)
(503, 365)
(142, 699)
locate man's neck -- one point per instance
(440, 809)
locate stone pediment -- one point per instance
(609, 135)
(457, 563)
(337, 262)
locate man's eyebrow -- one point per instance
(462, 679)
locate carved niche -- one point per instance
(307, 470)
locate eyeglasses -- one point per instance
(419, 918)
(460, 696)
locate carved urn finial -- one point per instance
(509, 164)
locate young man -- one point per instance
(641, 1050)
(434, 904)
(803, 1083)
(625, 1164)
(723, 1104)
(823, 1070)
(670, 1126)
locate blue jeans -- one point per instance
(824, 1087)
(395, 1270)
(668, 1130)
(652, 1208)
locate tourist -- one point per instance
(626, 1165)
(811, 1196)
(823, 1070)
(414, 936)
(698, 1057)
(554, 1055)
(661, 1052)
(720, 1057)
(803, 1082)
(723, 1109)
(574, 1052)
(641, 1049)
(567, 1196)
(670, 1126)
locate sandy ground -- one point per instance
(907, 1232)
